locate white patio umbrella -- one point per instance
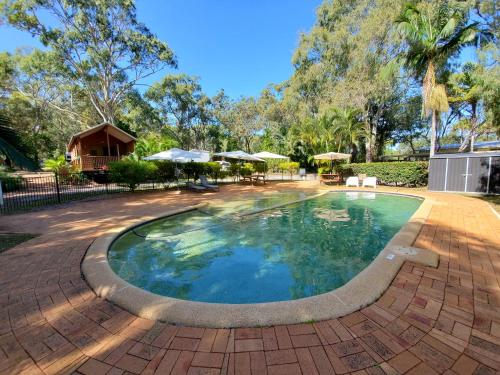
(240, 155)
(176, 155)
(332, 156)
(269, 155)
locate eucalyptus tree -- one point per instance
(434, 33)
(101, 45)
(179, 98)
(340, 62)
(468, 92)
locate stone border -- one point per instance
(362, 290)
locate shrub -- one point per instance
(56, 164)
(165, 171)
(247, 169)
(10, 183)
(410, 173)
(261, 167)
(324, 170)
(213, 169)
(290, 167)
(234, 169)
(131, 172)
(194, 169)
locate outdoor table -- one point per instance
(259, 177)
(246, 178)
(330, 178)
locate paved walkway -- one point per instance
(444, 320)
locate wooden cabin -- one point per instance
(94, 148)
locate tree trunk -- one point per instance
(433, 134)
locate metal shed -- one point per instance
(475, 172)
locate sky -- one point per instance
(240, 46)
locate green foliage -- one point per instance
(261, 167)
(131, 172)
(56, 164)
(99, 44)
(290, 167)
(165, 171)
(10, 182)
(411, 173)
(152, 143)
(247, 169)
(234, 169)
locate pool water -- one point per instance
(228, 253)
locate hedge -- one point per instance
(408, 173)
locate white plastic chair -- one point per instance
(370, 181)
(352, 181)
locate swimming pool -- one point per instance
(253, 251)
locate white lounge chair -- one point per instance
(352, 181)
(370, 181)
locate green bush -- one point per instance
(213, 170)
(132, 172)
(10, 183)
(290, 167)
(261, 167)
(56, 164)
(234, 169)
(194, 169)
(408, 173)
(247, 169)
(165, 171)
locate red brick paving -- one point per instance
(429, 321)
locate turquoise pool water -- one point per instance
(227, 253)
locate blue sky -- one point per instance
(240, 46)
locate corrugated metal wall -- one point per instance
(473, 173)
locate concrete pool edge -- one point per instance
(362, 290)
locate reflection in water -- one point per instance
(289, 252)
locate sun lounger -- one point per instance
(370, 181)
(352, 181)
(204, 183)
(195, 187)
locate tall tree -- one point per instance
(180, 100)
(339, 63)
(101, 45)
(434, 33)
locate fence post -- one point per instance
(57, 188)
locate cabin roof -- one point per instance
(112, 130)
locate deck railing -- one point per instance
(94, 163)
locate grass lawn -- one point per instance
(9, 240)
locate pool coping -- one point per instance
(366, 287)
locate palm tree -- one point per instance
(466, 88)
(348, 128)
(433, 35)
(11, 145)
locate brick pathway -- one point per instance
(429, 321)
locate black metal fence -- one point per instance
(35, 191)
(26, 193)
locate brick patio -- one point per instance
(429, 321)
